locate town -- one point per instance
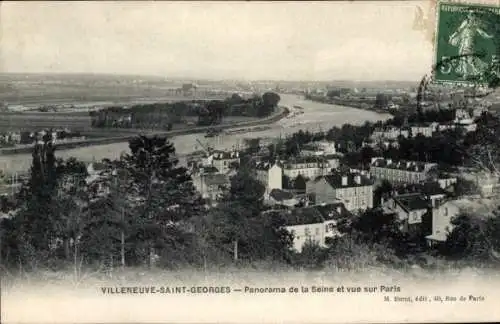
(408, 191)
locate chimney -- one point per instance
(344, 180)
(357, 179)
(389, 161)
(408, 164)
(339, 210)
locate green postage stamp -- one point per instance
(467, 45)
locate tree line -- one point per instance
(142, 209)
(164, 115)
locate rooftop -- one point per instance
(413, 201)
(302, 216)
(414, 166)
(264, 165)
(280, 195)
(216, 179)
(225, 155)
(292, 163)
(350, 180)
(208, 169)
(311, 214)
(427, 188)
(333, 211)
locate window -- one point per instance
(446, 211)
(317, 231)
(326, 227)
(307, 231)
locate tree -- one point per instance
(163, 192)
(269, 103)
(333, 93)
(37, 215)
(271, 99)
(382, 191)
(70, 206)
(107, 235)
(300, 183)
(467, 239)
(233, 218)
(375, 226)
(382, 100)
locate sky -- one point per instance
(217, 40)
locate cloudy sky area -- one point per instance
(237, 40)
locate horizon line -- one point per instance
(200, 79)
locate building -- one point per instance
(423, 130)
(319, 148)
(310, 150)
(333, 160)
(270, 174)
(223, 160)
(313, 224)
(464, 120)
(442, 215)
(308, 166)
(409, 210)
(447, 182)
(488, 183)
(354, 190)
(402, 171)
(389, 133)
(211, 186)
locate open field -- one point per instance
(32, 120)
(19, 89)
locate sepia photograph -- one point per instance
(249, 161)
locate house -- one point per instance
(327, 147)
(409, 210)
(488, 183)
(311, 149)
(223, 160)
(431, 190)
(464, 120)
(314, 224)
(402, 171)
(389, 133)
(353, 189)
(424, 130)
(281, 197)
(447, 182)
(333, 160)
(319, 148)
(442, 215)
(211, 186)
(270, 174)
(308, 166)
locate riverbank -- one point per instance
(280, 113)
(362, 105)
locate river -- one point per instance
(316, 116)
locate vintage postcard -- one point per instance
(249, 161)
